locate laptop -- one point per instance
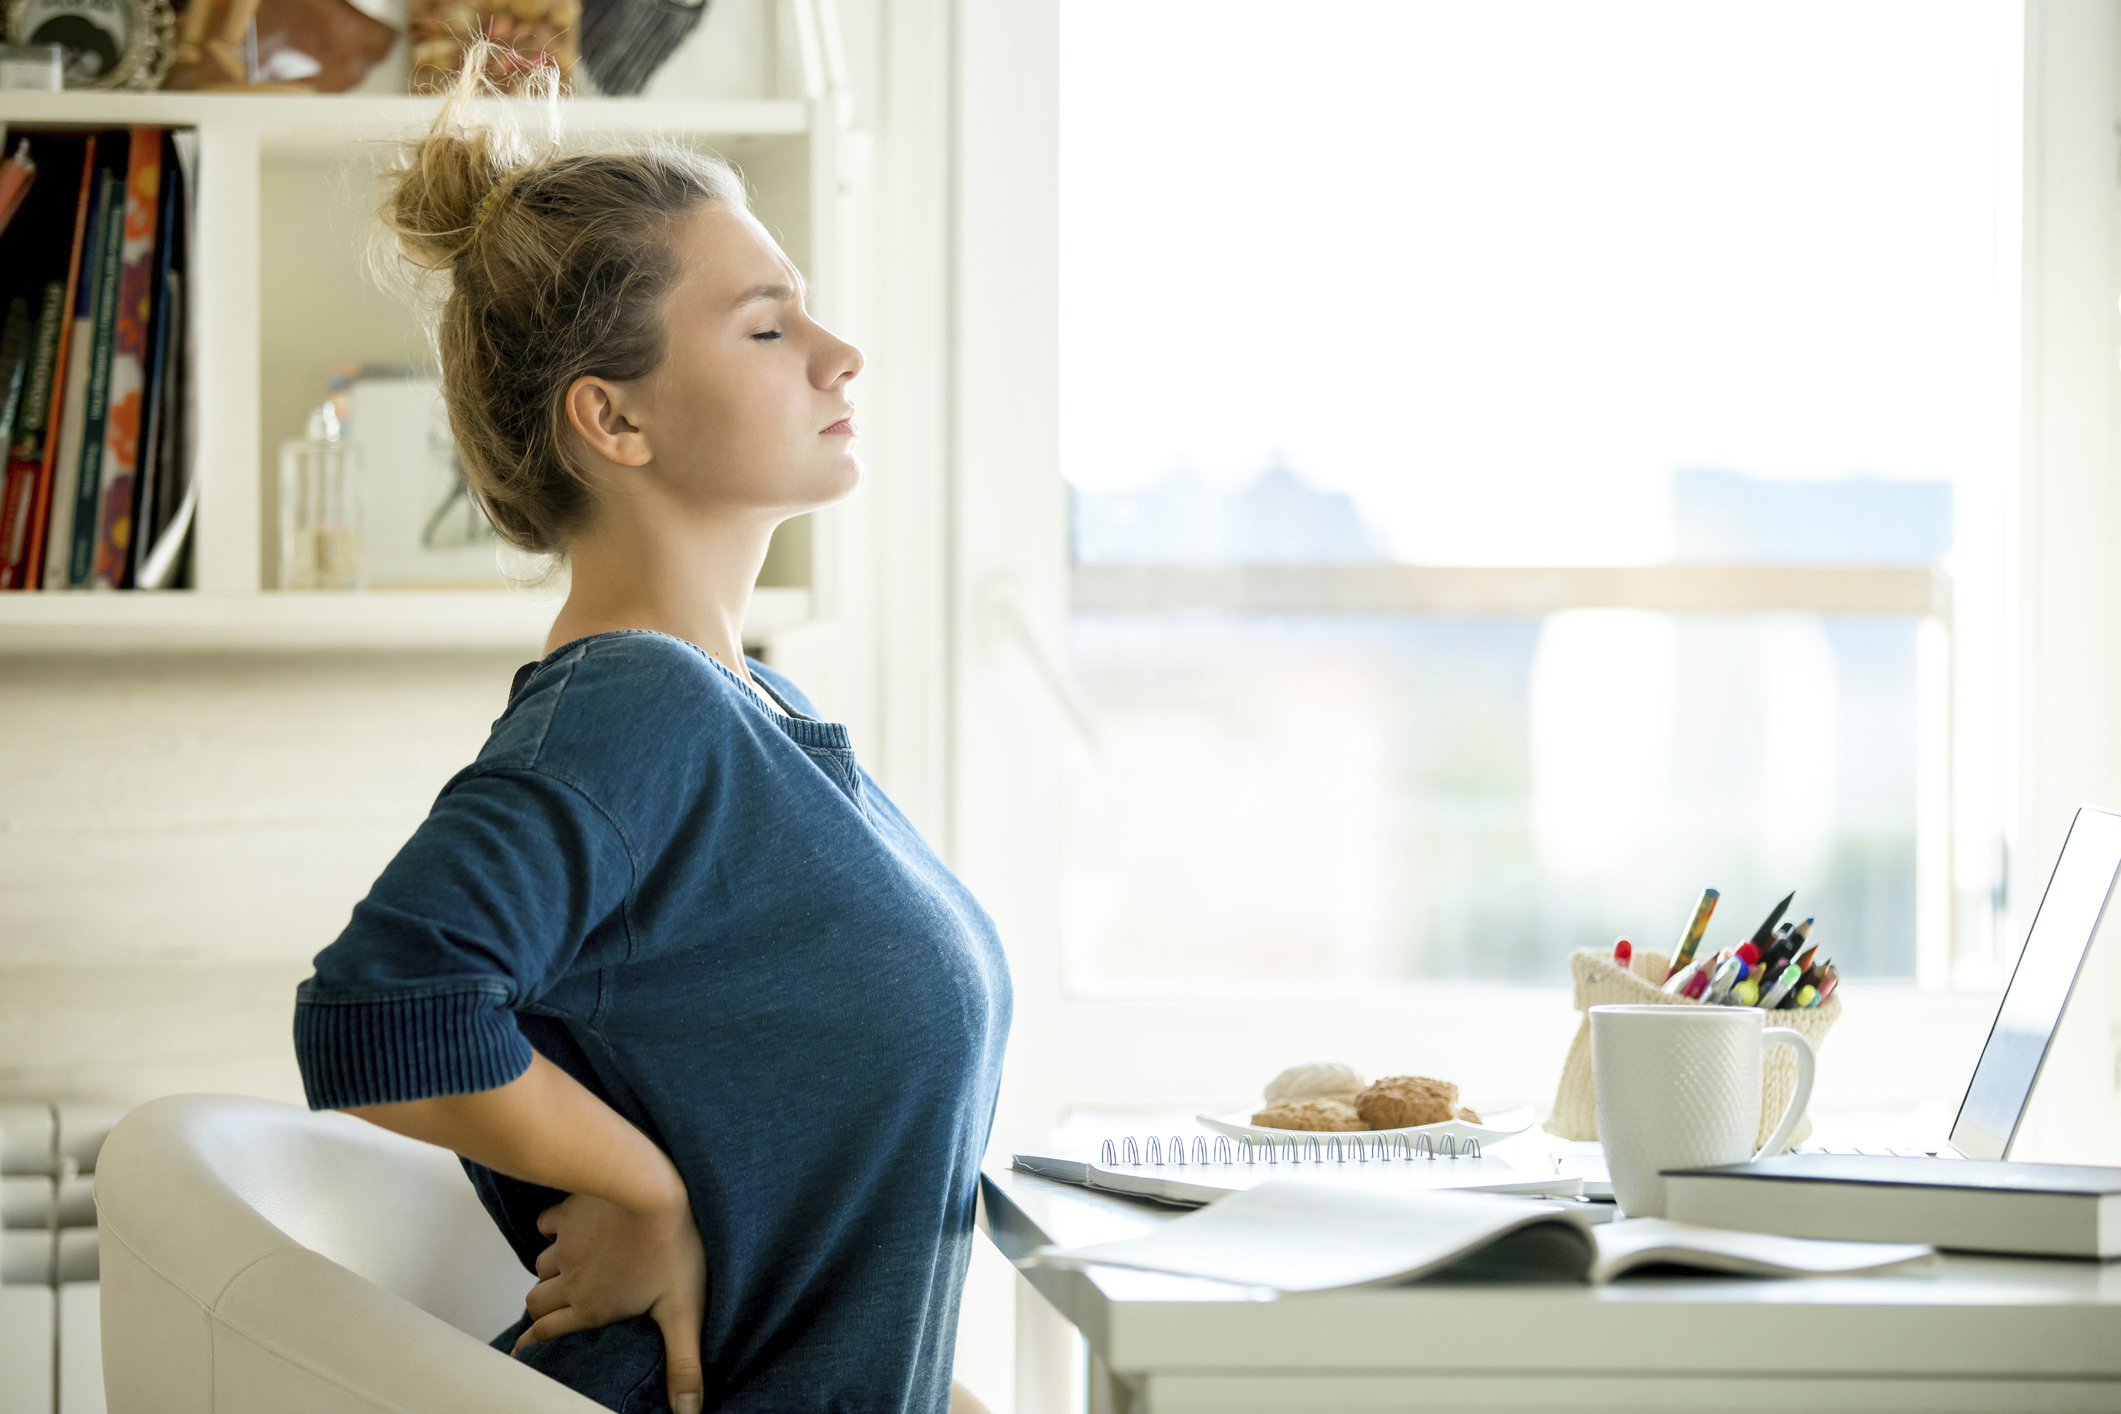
(2032, 1006)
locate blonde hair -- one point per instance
(542, 268)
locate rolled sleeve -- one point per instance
(481, 912)
(393, 1049)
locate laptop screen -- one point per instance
(2040, 986)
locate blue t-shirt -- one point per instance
(709, 915)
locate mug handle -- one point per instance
(1807, 1061)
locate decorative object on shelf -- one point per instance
(32, 68)
(528, 35)
(320, 508)
(625, 41)
(277, 46)
(108, 44)
(424, 529)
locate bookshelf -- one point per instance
(285, 181)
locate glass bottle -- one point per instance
(320, 508)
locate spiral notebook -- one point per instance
(1191, 1170)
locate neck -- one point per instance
(658, 567)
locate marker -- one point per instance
(1766, 930)
(1689, 981)
(1624, 955)
(1726, 978)
(1791, 975)
(1806, 997)
(1685, 952)
(1746, 993)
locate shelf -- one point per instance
(126, 622)
(297, 123)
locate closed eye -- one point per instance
(768, 334)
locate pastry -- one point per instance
(1332, 1115)
(1403, 1101)
(1314, 1080)
(1468, 1114)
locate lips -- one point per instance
(843, 428)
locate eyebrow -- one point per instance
(761, 293)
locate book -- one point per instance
(70, 400)
(1294, 1235)
(164, 545)
(23, 445)
(1976, 1205)
(125, 416)
(103, 337)
(1205, 1173)
(16, 337)
(161, 348)
(42, 247)
(17, 173)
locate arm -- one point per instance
(543, 1127)
(624, 1241)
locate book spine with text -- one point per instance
(35, 446)
(124, 417)
(103, 330)
(18, 350)
(71, 399)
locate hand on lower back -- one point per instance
(607, 1264)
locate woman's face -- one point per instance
(749, 410)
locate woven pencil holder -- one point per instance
(1600, 983)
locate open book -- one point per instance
(1296, 1236)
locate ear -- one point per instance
(600, 413)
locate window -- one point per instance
(1527, 463)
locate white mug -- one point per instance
(1679, 1087)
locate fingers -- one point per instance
(548, 1263)
(564, 1321)
(681, 1355)
(545, 1298)
(549, 1220)
(551, 1326)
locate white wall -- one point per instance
(179, 835)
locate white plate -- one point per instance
(1502, 1126)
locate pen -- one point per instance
(1684, 954)
(1807, 996)
(1624, 955)
(1745, 993)
(1726, 978)
(1783, 985)
(1767, 929)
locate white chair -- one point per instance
(256, 1257)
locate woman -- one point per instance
(717, 1035)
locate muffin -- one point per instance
(1403, 1101)
(1469, 1115)
(1315, 1080)
(1329, 1115)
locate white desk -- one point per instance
(1972, 1334)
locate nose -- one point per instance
(837, 362)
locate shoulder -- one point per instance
(610, 697)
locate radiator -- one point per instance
(51, 1338)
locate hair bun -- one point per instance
(432, 202)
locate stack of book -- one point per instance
(96, 406)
